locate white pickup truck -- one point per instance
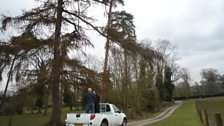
(109, 115)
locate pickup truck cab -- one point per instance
(109, 115)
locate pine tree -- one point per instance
(53, 17)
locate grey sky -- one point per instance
(195, 26)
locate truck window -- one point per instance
(116, 110)
(102, 108)
(107, 108)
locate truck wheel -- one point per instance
(124, 123)
(104, 123)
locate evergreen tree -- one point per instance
(168, 85)
(123, 30)
(112, 3)
(53, 17)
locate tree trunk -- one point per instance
(107, 47)
(46, 103)
(10, 120)
(31, 111)
(39, 110)
(125, 85)
(70, 107)
(7, 83)
(56, 104)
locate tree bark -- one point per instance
(56, 70)
(107, 47)
(46, 102)
(7, 83)
(125, 85)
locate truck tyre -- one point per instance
(104, 123)
(124, 123)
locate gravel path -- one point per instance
(165, 114)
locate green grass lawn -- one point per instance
(28, 119)
(186, 115)
(212, 105)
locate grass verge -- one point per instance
(186, 115)
(28, 119)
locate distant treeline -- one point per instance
(196, 96)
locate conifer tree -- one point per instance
(48, 23)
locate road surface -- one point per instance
(165, 114)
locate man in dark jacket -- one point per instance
(97, 102)
(89, 100)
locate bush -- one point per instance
(13, 105)
(151, 100)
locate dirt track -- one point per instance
(165, 114)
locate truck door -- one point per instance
(117, 116)
(110, 116)
(106, 111)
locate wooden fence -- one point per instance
(205, 120)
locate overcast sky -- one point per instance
(196, 27)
